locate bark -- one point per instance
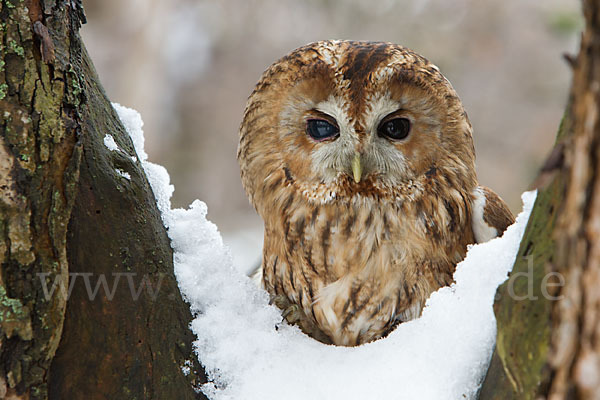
(69, 220)
(550, 347)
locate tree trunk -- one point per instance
(89, 305)
(548, 344)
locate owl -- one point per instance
(359, 158)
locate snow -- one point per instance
(157, 174)
(248, 353)
(186, 368)
(110, 143)
(124, 174)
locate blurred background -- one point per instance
(188, 66)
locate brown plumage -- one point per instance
(359, 158)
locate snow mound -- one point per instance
(248, 353)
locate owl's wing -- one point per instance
(491, 216)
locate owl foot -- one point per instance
(294, 315)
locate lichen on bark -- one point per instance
(518, 368)
(63, 209)
(547, 345)
(38, 160)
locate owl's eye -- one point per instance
(395, 129)
(319, 129)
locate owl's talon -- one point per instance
(292, 314)
(280, 301)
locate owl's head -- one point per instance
(341, 119)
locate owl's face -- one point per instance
(345, 119)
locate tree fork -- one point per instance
(67, 214)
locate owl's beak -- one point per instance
(356, 167)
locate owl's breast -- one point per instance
(358, 267)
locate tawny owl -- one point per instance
(360, 160)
